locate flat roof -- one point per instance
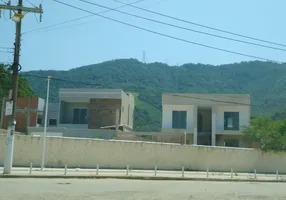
(89, 90)
(205, 99)
(84, 94)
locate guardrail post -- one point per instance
(127, 170)
(155, 171)
(277, 174)
(231, 173)
(207, 172)
(66, 168)
(183, 172)
(185, 138)
(31, 167)
(255, 174)
(97, 169)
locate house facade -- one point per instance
(207, 119)
(87, 108)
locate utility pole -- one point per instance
(45, 124)
(16, 67)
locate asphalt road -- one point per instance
(108, 189)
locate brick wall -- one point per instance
(26, 107)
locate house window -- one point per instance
(231, 121)
(80, 116)
(179, 119)
(231, 143)
(52, 122)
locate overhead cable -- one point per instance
(168, 36)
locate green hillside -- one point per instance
(265, 81)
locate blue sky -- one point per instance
(101, 40)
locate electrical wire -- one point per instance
(6, 48)
(167, 36)
(77, 19)
(204, 26)
(184, 28)
(31, 3)
(63, 80)
(6, 51)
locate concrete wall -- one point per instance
(78, 133)
(41, 104)
(242, 141)
(244, 115)
(74, 126)
(127, 110)
(143, 155)
(53, 113)
(167, 115)
(131, 110)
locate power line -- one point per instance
(204, 26)
(6, 51)
(6, 48)
(63, 80)
(168, 36)
(184, 28)
(77, 19)
(31, 3)
(6, 63)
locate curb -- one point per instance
(158, 178)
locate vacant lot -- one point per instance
(108, 189)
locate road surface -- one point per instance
(109, 189)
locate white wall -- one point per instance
(127, 100)
(167, 115)
(77, 133)
(53, 113)
(41, 104)
(74, 126)
(117, 154)
(244, 115)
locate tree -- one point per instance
(271, 134)
(280, 115)
(24, 89)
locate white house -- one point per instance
(208, 119)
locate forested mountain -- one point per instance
(265, 81)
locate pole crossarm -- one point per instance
(24, 9)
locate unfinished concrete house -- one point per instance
(95, 108)
(89, 113)
(207, 119)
